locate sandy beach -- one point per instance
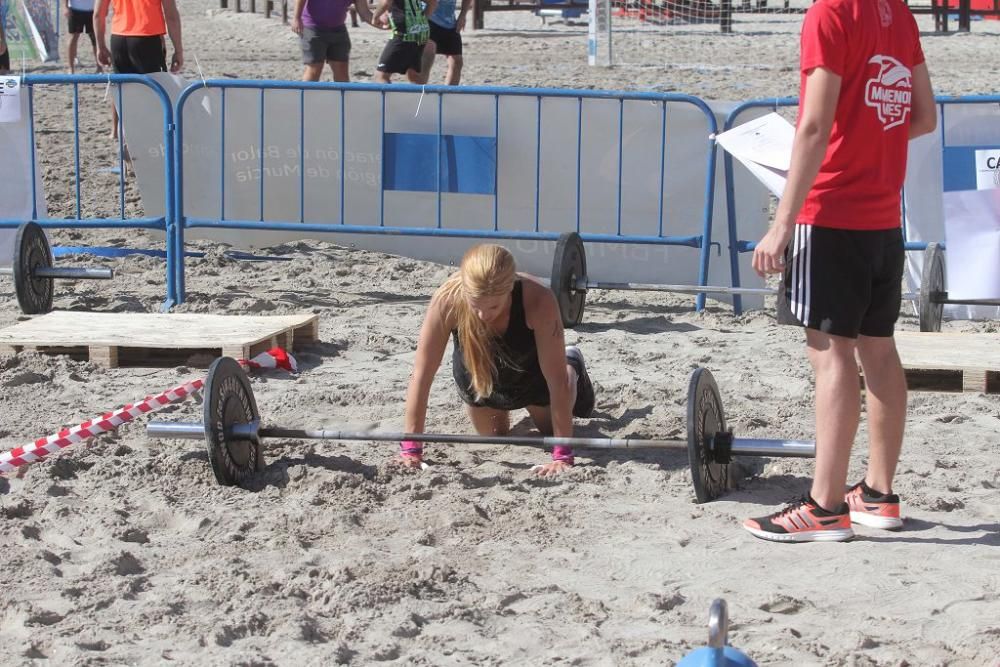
(126, 550)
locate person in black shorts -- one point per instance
(446, 40)
(509, 354)
(404, 51)
(79, 19)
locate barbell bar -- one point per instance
(233, 434)
(33, 271)
(570, 283)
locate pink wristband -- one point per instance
(560, 453)
(411, 448)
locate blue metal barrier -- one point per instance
(701, 241)
(164, 223)
(737, 245)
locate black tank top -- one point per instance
(514, 353)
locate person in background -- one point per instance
(446, 40)
(79, 19)
(403, 53)
(322, 30)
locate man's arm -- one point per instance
(429, 7)
(923, 111)
(173, 20)
(300, 6)
(363, 10)
(383, 7)
(819, 106)
(100, 29)
(460, 21)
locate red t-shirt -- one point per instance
(138, 18)
(873, 46)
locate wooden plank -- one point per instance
(180, 330)
(950, 361)
(113, 339)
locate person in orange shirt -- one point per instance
(137, 30)
(137, 45)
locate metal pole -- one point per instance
(66, 273)
(740, 446)
(684, 289)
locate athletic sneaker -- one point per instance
(872, 509)
(584, 405)
(803, 521)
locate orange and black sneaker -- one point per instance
(873, 509)
(803, 521)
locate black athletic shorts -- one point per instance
(321, 45)
(138, 55)
(399, 56)
(448, 41)
(528, 389)
(5, 60)
(843, 282)
(80, 21)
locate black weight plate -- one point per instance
(32, 252)
(931, 289)
(569, 264)
(229, 400)
(705, 417)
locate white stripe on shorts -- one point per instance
(801, 279)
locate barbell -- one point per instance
(33, 271)
(233, 434)
(570, 284)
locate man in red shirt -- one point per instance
(837, 241)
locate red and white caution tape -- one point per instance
(10, 461)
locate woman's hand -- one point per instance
(552, 469)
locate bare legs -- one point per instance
(838, 411)
(339, 69)
(489, 421)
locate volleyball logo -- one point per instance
(890, 91)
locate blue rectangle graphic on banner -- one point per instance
(467, 164)
(960, 170)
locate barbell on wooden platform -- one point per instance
(570, 284)
(33, 271)
(232, 431)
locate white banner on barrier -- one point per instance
(15, 175)
(259, 179)
(972, 225)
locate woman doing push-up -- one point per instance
(509, 353)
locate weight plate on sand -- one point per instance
(931, 289)
(32, 252)
(229, 400)
(704, 419)
(569, 264)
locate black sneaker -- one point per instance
(584, 405)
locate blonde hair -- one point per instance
(486, 270)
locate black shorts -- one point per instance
(398, 56)
(138, 55)
(527, 389)
(321, 45)
(843, 282)
(448, 41)
(5, 60)
(80, 21)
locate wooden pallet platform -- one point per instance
(950, 361)
(151, 339)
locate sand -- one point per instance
(126, 551)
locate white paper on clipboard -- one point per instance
(764, 146)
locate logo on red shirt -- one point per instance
(890, 91)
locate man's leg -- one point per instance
(413, 76)
(382, 77)
(838, 409)
(341, 70)
(427, 61)
(313, 71)
(886, 406)
(454, 71)
(73, 39)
